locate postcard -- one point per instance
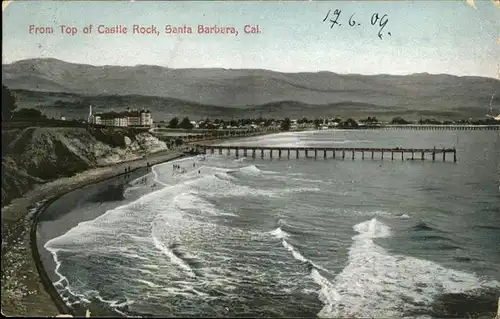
(251, 158)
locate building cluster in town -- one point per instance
(144, 118)
(129, 118)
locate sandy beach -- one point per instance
(23, 293)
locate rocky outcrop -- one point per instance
(36, 155)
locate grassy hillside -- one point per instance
(210, 89)
(73, 105)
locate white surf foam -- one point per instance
(156, 177)
(281, 234)
(252, 170)
(148, 283)
(214, 186)
(377, 284)
(62, 284)
(192, 203)
(173, 258)
(297, 255)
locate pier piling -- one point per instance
(205, 149)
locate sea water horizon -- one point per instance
(296, 237)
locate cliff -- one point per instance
(37, 155)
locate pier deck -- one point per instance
(313, 151)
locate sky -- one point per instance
(452, 37)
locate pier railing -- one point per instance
(332, 152)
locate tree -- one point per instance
(185, 124)
(349, 123)
(178, 141)
(8, 103)
(28, 114)
(399, 120)
(285, 125)
(174, 123)
(317, 123)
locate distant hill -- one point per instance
(210, 92)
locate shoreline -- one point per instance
(56, 219)
(26, 287)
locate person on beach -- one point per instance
(199, 171)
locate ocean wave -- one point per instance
(173, 258)
(377, 284)
(251, 170)
(423, 226)
(279, 233)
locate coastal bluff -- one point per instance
(40, 164)
(36, 155)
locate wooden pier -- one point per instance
(438, 127)
(329, 152)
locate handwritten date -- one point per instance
(376, 20)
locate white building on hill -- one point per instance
(129, 118)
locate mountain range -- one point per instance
(61, 88)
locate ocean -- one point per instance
(243, 237)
